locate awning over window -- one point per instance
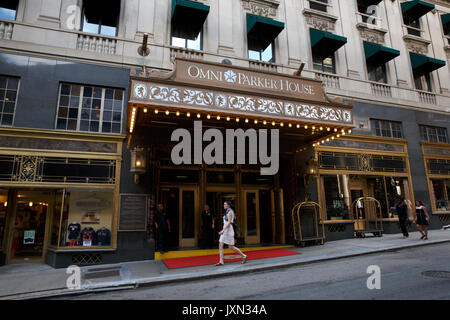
(261, 31)
(413, 10)
(446, 19)
(377, 54)
(324, 43)
(422, 64)
(188, 18)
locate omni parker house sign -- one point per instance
(218, 88)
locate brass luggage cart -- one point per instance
(368, 217)
(306, 223)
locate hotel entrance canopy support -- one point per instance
(261, 31)
(188, 18)
(413, 10)
(203, 90)
(422, 64)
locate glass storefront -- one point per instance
(341, 191)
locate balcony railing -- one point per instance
(413, 31)
(97, 44)
(263, 66)
(381, 89)
(370, 20)
(187, 53)
(427, 97)
(6, 30)
(329, 80)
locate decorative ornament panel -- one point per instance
(264, 8)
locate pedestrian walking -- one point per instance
(402, 212)
(208, 226)
(162, 225)
(227, 234)
(422, 219)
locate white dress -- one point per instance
(227, 236)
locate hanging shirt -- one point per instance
(74, 230)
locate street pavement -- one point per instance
(41, 281)
(405, 275)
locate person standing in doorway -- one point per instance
(227, 234)
(162, 225)
(422, 219)
(402, 212)
(208, 226)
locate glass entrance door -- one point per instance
(252, 223)
(188, 217)
(29, 225)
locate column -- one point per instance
(50, 12)
(226, 21)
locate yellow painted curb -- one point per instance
(197, 253)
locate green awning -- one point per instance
(446, 19)
(376, 54)
(261, 31)
(324, 44)
(188, 18)
(422, 64)
(413, 10)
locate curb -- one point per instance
(146, 282)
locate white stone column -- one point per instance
(146, 18)
(298, 46)
(353, 48)
(50, 12)
(395, 32)
(226, 21)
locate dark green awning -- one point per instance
(446, 19)
(422, 64)
(188, 18)
(376, 54)
(413, 10)
(324, 44)
(261, 31)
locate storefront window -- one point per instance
(441, 192)
(86, 219)
(3, 207)
(337, 197)
(342, 191)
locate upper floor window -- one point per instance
(93, 109)
(266, 55)
(324, 65)
(433, 134)
(368, 11)
(423, 82)
(101, 17)
(415, 28)
(320, 5)
(187, 43)
(390, 129)
(377, 73)
(8, 9)
(8, 98)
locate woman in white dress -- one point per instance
(227, 234)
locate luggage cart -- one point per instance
(302, 213)
(363, 223)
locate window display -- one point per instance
(441, 192)
(85, 219)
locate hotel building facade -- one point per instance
(91, 92)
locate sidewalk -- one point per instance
(38, 280)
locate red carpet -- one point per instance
(230, 257)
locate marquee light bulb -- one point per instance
(156, 111)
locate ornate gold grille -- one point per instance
(86, 258)
(336, 227)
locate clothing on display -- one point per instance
(88, 236)
(74, 230)
(103, 237)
